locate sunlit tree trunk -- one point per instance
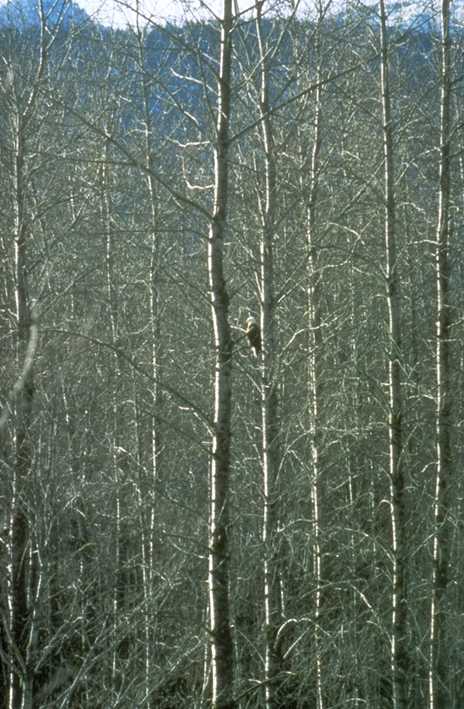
(21, 629)
(269, 412)
(149, 533)
(315, 384)
(399, 607)
(22, 560)
(218, 576)
(439, 693)
(117, 450)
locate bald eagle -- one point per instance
(253, 333)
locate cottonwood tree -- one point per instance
(127, 372)
(149, 519)
(22, 588)
(439, 676)
(23, 96)
(270, 425)
(395, 405)
(315, 354)
(218, 576)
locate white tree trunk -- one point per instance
(439, 695)
(399, 606)
(269, 414)
(218, 575)
(315, 385)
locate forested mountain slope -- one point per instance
(151, 203)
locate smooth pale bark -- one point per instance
(149, 532)
(315, 385)
(269, 404)
(439, 689)
(399, 606)
(218, 567)
(115, 393)
(21, 627)
(21, 693)
(24, 96)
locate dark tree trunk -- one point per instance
(439, 677)
(399, 653)
(20, 536)
(221, 638)
(269, 397)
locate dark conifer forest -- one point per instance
(195, 511)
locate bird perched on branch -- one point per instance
(253, 333)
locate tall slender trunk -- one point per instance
(116, 443)
(154, 301)
(21, 616)
(218, 567)
(399, 608)
(315, 384)
(439, 694)
(21, 691)
(269, 404)
(23, 572)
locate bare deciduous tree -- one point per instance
(221, 637)
(395, 436)
(439, 676)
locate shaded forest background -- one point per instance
(107, 361)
